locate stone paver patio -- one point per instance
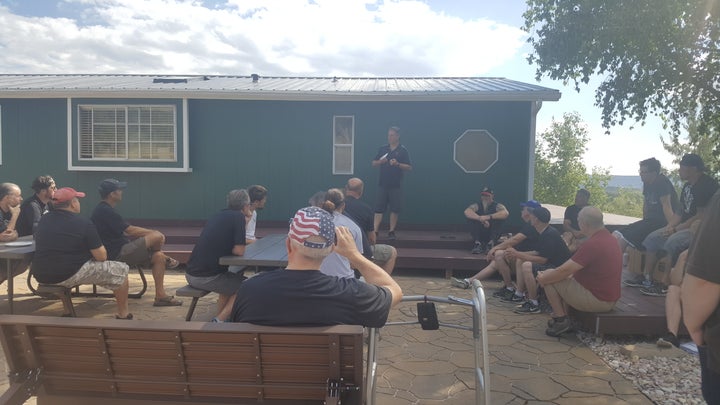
(427, 367)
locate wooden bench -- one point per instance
(448, 260)
(195, 293)
(91, 361)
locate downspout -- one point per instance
(535, 107)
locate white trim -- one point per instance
(69, 135)
(130, 169)
(535, 109)
(185, 136)
(351, 145)
(497, 151)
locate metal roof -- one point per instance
(255, 87)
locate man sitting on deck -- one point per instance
(301, 295)
(144, 250)
(571, 230)
(69, 252)
(590, 280)
(486, 219)
(224, 234)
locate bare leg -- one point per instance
(154, 241)
(225, 306)
(556, 302)
(673, 304)
(530, 283)
(158, 272)
(519, 277)
(503, 267)
(121, 298)
(488, 271)
(389, 265)
(651, 261)
(377, 221)
(393, 221)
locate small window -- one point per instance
(141, 133)
(343, 141)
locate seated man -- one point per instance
(523, 241)
(69, 252)
(677, 235)
(36, 206)
(335, 264)
(301, 295)
(144, 250)
(486, 219)
(363, 215)
(224, 234)
(551, 251)
(258, 198)
(10, 199)
(590, 280)
(571, 230)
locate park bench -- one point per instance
(91, 361)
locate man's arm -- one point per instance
(513, 241)
(532, 257)
(372, 273)
(699, 300)
(501, 213)
(238, 250)
(136, 231)
(471, 213)
(667, 208)
(565, 270)
(99, 254)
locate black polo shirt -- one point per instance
(363, 215)
(391, 176)
(111, 228)
(221, 233)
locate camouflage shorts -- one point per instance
(108, 274)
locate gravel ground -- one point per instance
(665, 380)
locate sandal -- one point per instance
(168, 301)
(127, 318)
(171, 263)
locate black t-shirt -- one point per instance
(111, 228)
(221, 233)
(653, 192)
(363, 215)
(391, 176)
(703, 263)
(571, 213)
(531, 239)
(551, 246)
(696, 196)
(63, 241)
(30, 212)
(310, 298)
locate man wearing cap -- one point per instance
(224, 234)
(360, 212)
(144, 249)
(393, 160)
(69, 252)
(486, 218)
(35, 206)
(590, 280)
(302, 295)
(550, 251)
(676, 236)
(525, 241)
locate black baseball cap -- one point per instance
(109, 185)
(692, 160)
(542, 214)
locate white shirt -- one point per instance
(250, 226)
(334, 264)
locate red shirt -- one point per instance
(601, 259)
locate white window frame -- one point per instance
(337, 119)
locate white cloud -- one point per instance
(290, 37)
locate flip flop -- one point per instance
(168, 301)
(127, 318)
(171, 263)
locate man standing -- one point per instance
(393, 159)
(69, 252)
(10, 199)
(701, 299)
(224, 234)
(590, 280)
(302, 295)
(36, 206)
(258, 198)
(677, 234)
(360, 212)
(486, 218)
(144, 250)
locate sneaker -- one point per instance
(668, 340)
(460, 283)
(551, 322)
(528, 308)
(657, 290)
(503, 293)
(391, 235)
(477, 249)
(558, 327)
(514, 298)
(637, 282)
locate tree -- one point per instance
(707, 145)
(656, 56)
(559, 170)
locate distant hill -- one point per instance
(625, 182)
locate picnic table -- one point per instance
(268, 251)
(21, 249)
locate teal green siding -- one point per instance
(287, 146)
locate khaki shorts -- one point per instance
(108, 274)
(382, 253)
(135, 253)
(579, 297)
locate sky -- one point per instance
(441, 38)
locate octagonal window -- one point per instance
(476, 151)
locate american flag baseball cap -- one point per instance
(312, 221)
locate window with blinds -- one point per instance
(127, 132)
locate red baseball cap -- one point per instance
(66, 194)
